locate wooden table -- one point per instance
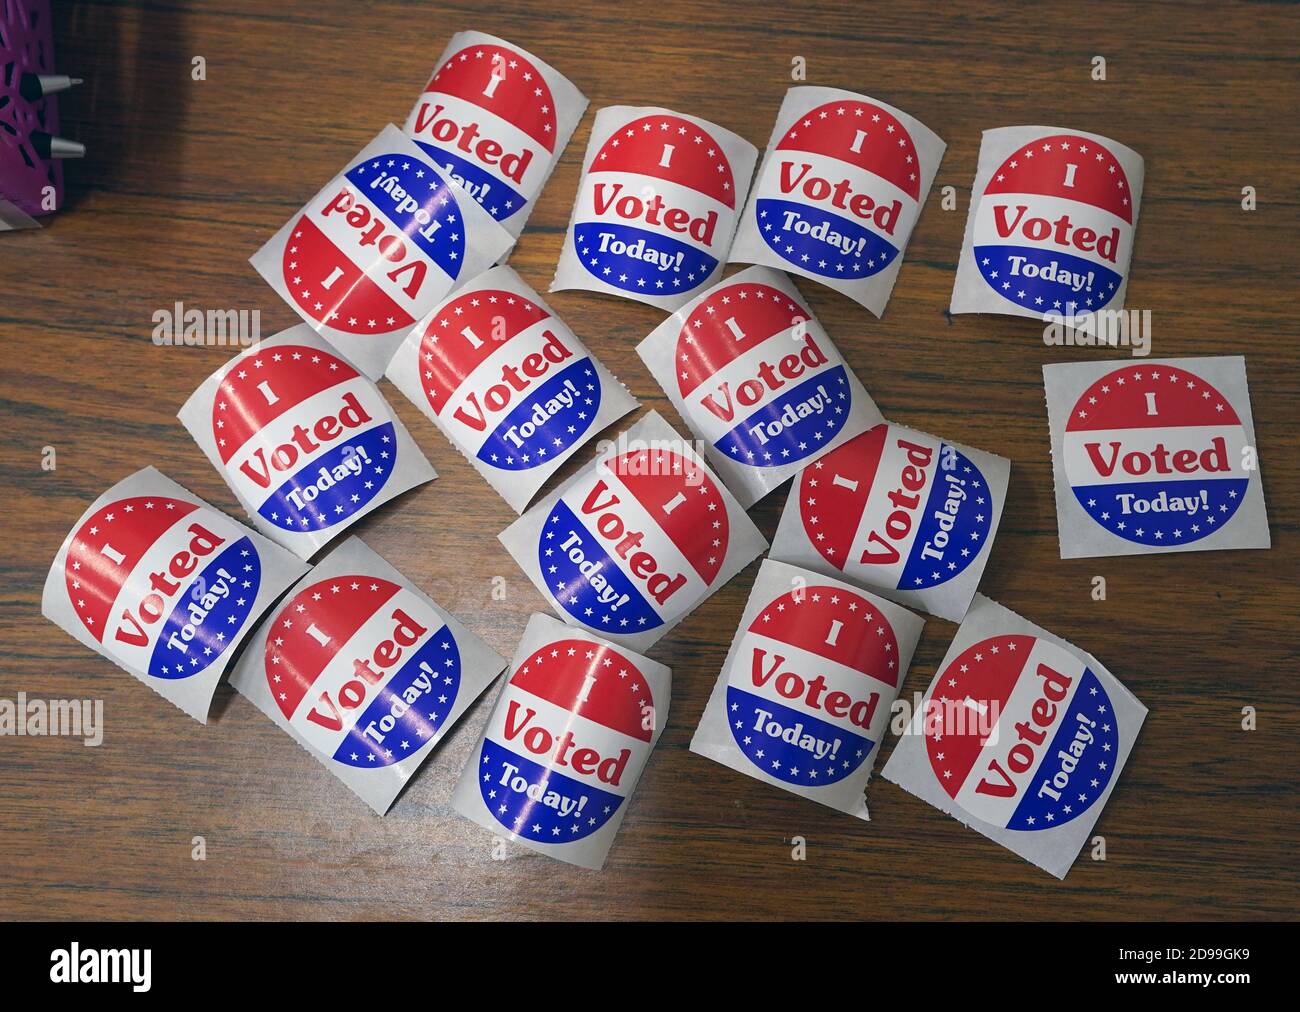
(186, 178)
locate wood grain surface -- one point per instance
(185, 179)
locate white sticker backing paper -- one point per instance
(1154, 457)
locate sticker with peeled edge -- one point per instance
(507, 382)
(495, 119)
(565, 744)
(307, 443)
(165, 586)
(656, 209)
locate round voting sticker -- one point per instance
(302, 436)
(657, 208)
(842, 191)
(635, 542)
(1154, 454)
(759, 378)
(165, 585)
(566, 743)
(488, 118)
(359, 258)
(362, 668)
(810, 685)
(1054, 228)
(509, 380)
(896, 508)
(1020, 733)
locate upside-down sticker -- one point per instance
(378, 247)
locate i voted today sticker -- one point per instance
(901, 512)
(566, 742)
(758, 379)
(364, 671)
(839, 192)
(656, 209)
(378, 247)
(634, 542)
(163, 585)
(305, 441)
(1051, 224)
(507, 382)
(1157, 456)
(495, 118)
(805, 694)
(1020, 735)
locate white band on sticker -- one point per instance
(907, 515)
